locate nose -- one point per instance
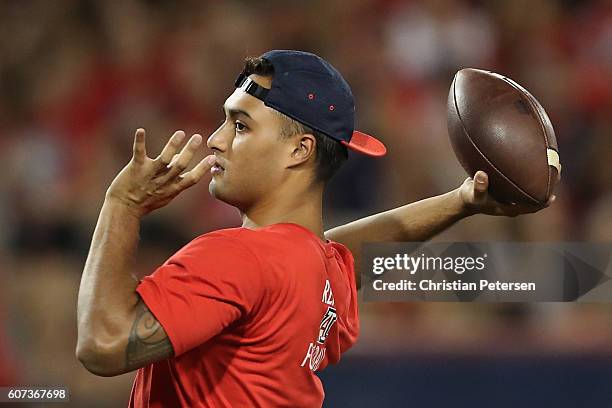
(218, 140)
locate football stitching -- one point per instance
(483, 155)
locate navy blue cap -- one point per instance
(310, 90)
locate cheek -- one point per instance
(256, 159)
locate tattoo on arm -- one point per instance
(148, 341)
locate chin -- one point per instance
(216, 190)
(213, 189)
(233, 198)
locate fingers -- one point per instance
(179, 162)
(176, 156)
(140, 151)
(171, 148)
(481, 184)
(194, 175)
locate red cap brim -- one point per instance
(366, 144)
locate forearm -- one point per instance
(418, 221)
(107, 296)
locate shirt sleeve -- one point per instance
(203, 288)
(348, 321)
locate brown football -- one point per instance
(497, 126)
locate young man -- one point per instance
(245, 316)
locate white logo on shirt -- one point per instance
(328, 296)
(316, 350)
(328, 321)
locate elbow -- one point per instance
(101, 358)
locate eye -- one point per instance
(240, 127)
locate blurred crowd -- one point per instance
(78, 77)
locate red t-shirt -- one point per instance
(251, 315)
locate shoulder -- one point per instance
(221, 247)
(230, 238)
(235, 244)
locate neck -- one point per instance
(302, 207)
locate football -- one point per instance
(497, 126)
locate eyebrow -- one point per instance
(233, 112)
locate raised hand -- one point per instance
(146, 184)
(475, 196)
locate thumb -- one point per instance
(481, 184)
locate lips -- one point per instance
(217, 167)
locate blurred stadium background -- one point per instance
(77, 77)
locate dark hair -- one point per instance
(329, 155)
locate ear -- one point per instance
(303, 149)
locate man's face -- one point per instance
(250, 154)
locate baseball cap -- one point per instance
(310, 90)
